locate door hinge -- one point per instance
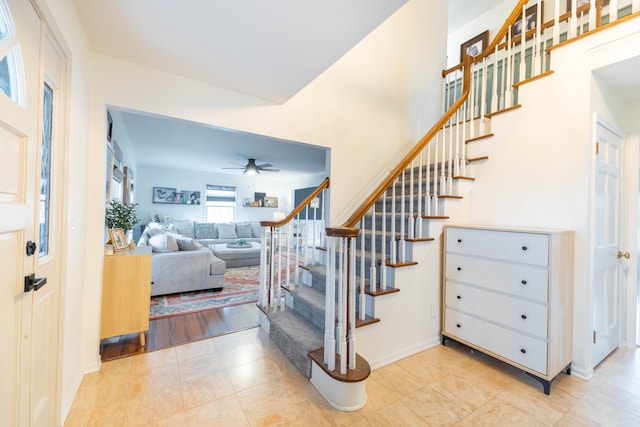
(594, 337)
(597, 148)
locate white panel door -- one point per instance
(28, 317)
(606, 282)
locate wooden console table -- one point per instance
(126, 293)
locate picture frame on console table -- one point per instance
(118, 239)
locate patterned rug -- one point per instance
(240, 287)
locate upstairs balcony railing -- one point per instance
(377, 234)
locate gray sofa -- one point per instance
(180, 264)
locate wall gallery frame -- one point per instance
(474, 46)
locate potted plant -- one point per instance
(121, 215)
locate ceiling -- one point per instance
(267, 49)
(167, 142)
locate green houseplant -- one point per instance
(121, 215)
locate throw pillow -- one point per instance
(185, 244)
(226, 231)
(163, 243)
(184, 227)
(155, 232)
(244, 230)
(205, 230)
(256, 229)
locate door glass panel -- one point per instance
(45, 170)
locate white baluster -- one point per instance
(535, 63)
(523, 42)
(403, 219)
(392, 249)
(508, 98)
(330, 306)
(373, 276)
(635, 6)
(411, 232)
(343, 306)
(383, 255)
(264, 291)
(613, 10)
(463, 157)
(352, 304)
(419, 217)
(427, 179)
(483, 97)
(495, 97)
(556, 22)
(362, 270)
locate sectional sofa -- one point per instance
(190, 256)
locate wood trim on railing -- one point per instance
(297, 209)
(596, 30)
(515, 40)
(424, 141)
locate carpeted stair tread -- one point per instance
(296, 337)
(309, 303)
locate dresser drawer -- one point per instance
(526, 281)
(519, 348)
(530, 248)
(513, 313)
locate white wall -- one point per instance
(369, 108)
(273, 185)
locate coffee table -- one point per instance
(237, 256)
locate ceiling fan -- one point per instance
(252, 169)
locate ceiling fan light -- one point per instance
(251, 171)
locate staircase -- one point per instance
(371, 261)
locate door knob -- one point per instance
(623, 254)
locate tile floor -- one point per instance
(242, 379)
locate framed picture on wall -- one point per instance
(270, 202)
(530, 21)
(164, 195)
(474, 46)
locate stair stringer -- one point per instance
(418, 302)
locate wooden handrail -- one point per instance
(424, 141)
(324, 184)
(515, 40)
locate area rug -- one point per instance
(240, 287)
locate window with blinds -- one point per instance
(221, 203)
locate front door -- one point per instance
(30, 217)
(607, 272)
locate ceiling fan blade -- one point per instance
(234, 168)
(269, 170)
(266, 165)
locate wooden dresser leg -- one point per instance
(143, 339)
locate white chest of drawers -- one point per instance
(509, 293)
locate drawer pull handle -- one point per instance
(458, 325)
(524, 248)
(459, 240)
(524, 282)
(524, 316)
(523, 351)
(459, 297)
(459, 268)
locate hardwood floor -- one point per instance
(176, 330)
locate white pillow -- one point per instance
(163, 243)
(226, 231)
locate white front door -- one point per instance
(606, 282)
(30, 219)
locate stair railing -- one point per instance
(414, 190)
(289, 243)
(398, 211)
(498, 72)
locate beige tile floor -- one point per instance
(242, 379)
